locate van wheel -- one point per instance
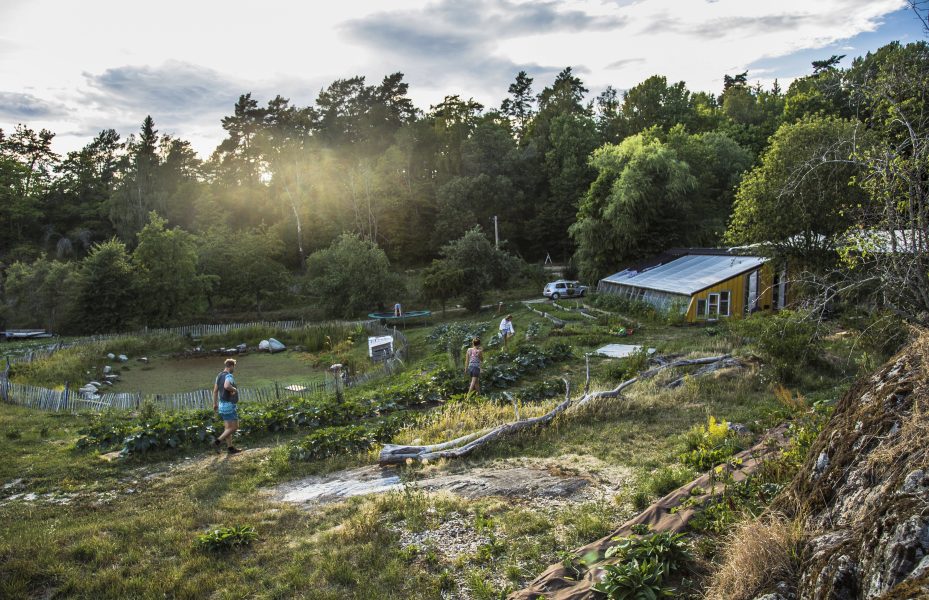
(556, 296)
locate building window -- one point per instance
(712, 305)
(701, 309)
(724, 304)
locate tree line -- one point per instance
(143, 231)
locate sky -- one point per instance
(76, 68)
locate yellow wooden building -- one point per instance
(702, 284)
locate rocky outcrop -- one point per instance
(863, 493)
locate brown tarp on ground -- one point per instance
(555, 583)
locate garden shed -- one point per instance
(701, 284)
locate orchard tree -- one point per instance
(443, 281)
(351, 276)
(243, 267)
(107, 289)
(479, 265)
(171, 288)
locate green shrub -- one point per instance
(787, 340)
(709, 445)
(226, 538)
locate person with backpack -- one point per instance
(225, 400)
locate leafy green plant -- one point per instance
(634, 581)
(711, 444)
(669, 549)
(643, 563)
(227, 538)
(330, 441)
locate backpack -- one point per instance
(224, 394)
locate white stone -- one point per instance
(123, 358)
(107, 370)
(264, 345)
(275, 346)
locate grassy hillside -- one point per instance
(82, 522)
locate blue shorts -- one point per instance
(474, 371)
(228, 411)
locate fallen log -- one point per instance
(615, 392)
(705, 370)
(392, 454)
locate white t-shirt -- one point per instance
(506, 327)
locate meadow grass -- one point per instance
(129, 528)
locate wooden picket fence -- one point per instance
(70, 400)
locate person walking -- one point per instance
(475, 356)
(506, 329)
(225, 403)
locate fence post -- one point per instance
(277, 390)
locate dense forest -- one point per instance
(333, 200)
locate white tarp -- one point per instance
(620, 350)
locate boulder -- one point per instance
(264, 345)
(241, 347)
(275, 346)
(111, 377)
(122, 358)
(111, 356)
(142, 359)
(95, 383)
(107, 370)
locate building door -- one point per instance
(751, 293)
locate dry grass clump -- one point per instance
(758, 554)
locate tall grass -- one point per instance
(78, 363)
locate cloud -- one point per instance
(175, 89)
(429, 40)
(14, 105)
(452, 26)
(624, 62)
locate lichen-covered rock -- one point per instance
(864, 491)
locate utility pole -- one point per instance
(496, 234)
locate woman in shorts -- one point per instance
(475, 356)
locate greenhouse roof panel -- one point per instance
(687, 274)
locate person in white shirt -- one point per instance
(506, 329)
